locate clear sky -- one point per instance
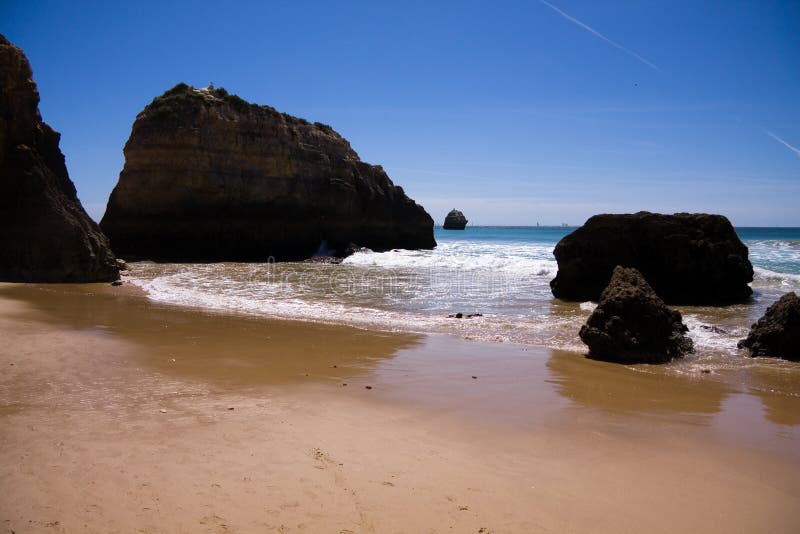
(514, 112)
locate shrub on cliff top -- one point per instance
(174, 100)
(183, 97)
(324, 127)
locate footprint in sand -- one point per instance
(217, 521)
(322, 458)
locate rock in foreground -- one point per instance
(210, 177)
(455, 220)
(777, 333)
(686, 258)
(45, 235)
(632, 325)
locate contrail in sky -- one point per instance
(600, 35)
(784, 143)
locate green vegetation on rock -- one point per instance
(183, 98)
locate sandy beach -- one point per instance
(122, 415)
(398, 268)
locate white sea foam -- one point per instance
(776, 258)
(274, 302)
(415, 291)
(518, 260)
(713, 338)
(766, 277)
(324, 293)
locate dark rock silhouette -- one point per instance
(632, 325)
(45, 234)
(686, 258)
(210, 177)
(461, 315)
(455, 220)
(777, 333)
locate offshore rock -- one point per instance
(455, 220)
(210, 177)
(686, 258)
(777, 333)
(45, 234)
(632, 325)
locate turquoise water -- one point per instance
(502, 273)
(505, 234)
(775, 249)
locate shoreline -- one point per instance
(540, 440)
(403, 291)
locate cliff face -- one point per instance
(687, 258)
(45, 235)
(210, 177)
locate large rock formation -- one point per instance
(632, 325)
(210, 177)
(45, 235)
(777, 333)
(687, 258)
(455, 220)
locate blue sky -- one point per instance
(514, 112)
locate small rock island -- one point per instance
(211, 177)
(455, 220)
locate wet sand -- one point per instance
(121, 415)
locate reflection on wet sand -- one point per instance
(778, 392)
(700, 384)
(616, 388)
(780, 409)
(491, 381)
(214, 347)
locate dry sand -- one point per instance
(119, 415)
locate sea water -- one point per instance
(501, 273)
